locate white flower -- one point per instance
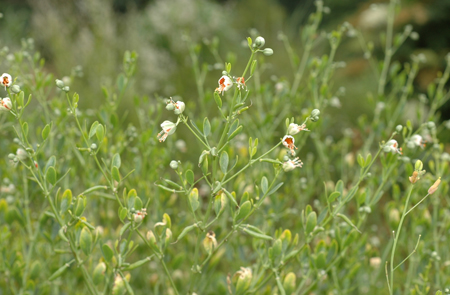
(295, 128)
(5, 104)
(392, 146)
(179, 107)
(417, 140)
(292, 164)
(168, 128)
(6, 80)
(288, 141)
(225, 83)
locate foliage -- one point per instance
(223, 203)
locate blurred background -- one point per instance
(89, 37)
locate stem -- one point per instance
(388, 48)
(397, 234)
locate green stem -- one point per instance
(397, 234)
(388, 48)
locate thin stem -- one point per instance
(397, 234)
(388, 48)
(414, 251)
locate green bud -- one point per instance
(315, 113)
(59, 83)
(15, 89)
(259, 42)
(174, 164)
(418, 166)
(93, 146)
(399, 128)
(431, 125)
(66, 88)
(170, 107)
(268, 51)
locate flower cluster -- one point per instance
(392, 147)
(177, 107)
(138, 216)
(416, 141)
(289, 142)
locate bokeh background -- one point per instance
(88, 37)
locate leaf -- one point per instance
(274, 189)
(193, 199)
(25, 129)
(51, 162)
(333, 196)
(46, 132)
(206, 127)
(93, 129)
(348, 221)
(138, 204)
(115, 173)
(116, 162)
(85, 240)
(189, 176)
(107, 252)
(311, 222)
(123, 213)
(50, 175)
(224, 162)
(65, 201)
(360, 160)
(257, 234)
(243, 211)
(264, 184)
(100, 132)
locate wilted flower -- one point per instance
(295, 128)
(240, 82)
(417, 140)
(288, 141)
(6, 80)
(210, 242)
(5, 104)
(168, 128)
(225, 83)
(292, 164)
(434, 187)
(415, 176)
(392, 146)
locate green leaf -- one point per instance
(224, 162)
(333, 196)
(116, 162)
(107, 252)
(25, 129)
(264, 184)
(99, 273)
(138, 203)
(121, 82)
(348, 221)
(59, 272)
(81, 205)
(368, 160)
(115, 173)
(193, 199)
(320, 261)
(85, 240)
(51, 175)
(275, 188)
(311, 222)
(243, 211)
(233, 127)
(189, 176)
(100, 132)
(235, 132)
(206, 127)
(218, 99)
(51, 162)
(249, 41)
(123, 213)
(93, 129)
(65, 201)
(360, 160)
(46, 132)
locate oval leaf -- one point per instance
(93, 129)
(46, 132)
(189, 176)
(224, 159)
(206, 127)
(51, 175)
(85, 241)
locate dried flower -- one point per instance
(225, 83)
(292, 164)
(210, 242)
(435, 186)
(295, 128)
(413, 179)
(168, 128)
(6, 80)
(288, 141)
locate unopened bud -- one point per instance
(434, 187)
(15, 89)
(315, 113)
(418, 166)
(174, 164)
(431, 125)
(59, 83)
(210, 242)
(170, 107)
(66, 88)
(268, 51)
(93, 146)
(259, 42)
(399, 128)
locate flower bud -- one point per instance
(15, 88)
(151, 237)
(210, 242)
(259, 42)
(418, 166)
(93, 146)
(399, 128)
(434, 187)
(170, 107)
(268, 51)
(315, 113)
(174, 164)
(66, 88)
(59, 83)
(431, 125)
